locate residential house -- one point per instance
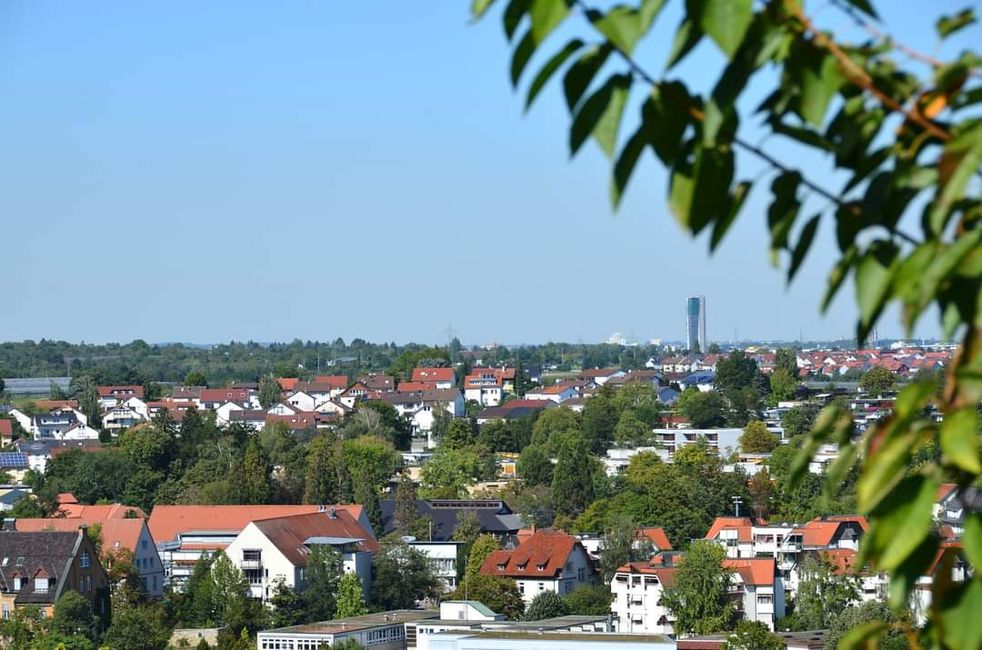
(759, 587)
(39, 452)
(277, 549)
(122, 416)
(419, 407)
(16, 464)
(600, 376)
(485, 386)
(379, 382)
(110, 396)
(515, 409)
(557, 393)
(442, 378)
(212, 398)
(547, 560)
(10, 497)
(637, 589)
(38, 567)
(186, 533)
(255, 419)
(444, 557)
(116, 534)
(53, 424)
(493, 516)
(6, 432)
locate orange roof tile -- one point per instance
(742, 525)
(168, 521)
(657, 537)
(6, 428)
(115, 533)
(543, 554)
(287, 383)
(433, 374)
(755, 571)
(100, 512)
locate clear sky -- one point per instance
(207, 171)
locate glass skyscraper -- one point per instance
(695, 323)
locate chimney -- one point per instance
(332, 512)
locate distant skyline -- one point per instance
(218, 171)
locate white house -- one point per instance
(223, 414)
(443, 557)
(760, 588)
(441, 378)
(557, 393)
(80, 431)
(110, 396)
(302, 401)
(272, 550)
(121, 417)
(546, 560)
(637, 589)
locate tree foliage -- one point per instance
(547, 604)
(907, 145)
(351, 600)
(756, 439)
(698, 600)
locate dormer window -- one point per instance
(501, 566)
(17, 584)
(541, 566)
(84, 561)
(41, 585)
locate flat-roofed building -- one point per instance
(382, 631)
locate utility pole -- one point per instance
(736, 506)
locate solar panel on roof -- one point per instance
(13, 459)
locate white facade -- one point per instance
(264, 564)
(443, 557)
(484, 395)
(577, 572)
(635, 604)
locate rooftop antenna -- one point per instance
(736, 506)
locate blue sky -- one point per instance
(206, 171)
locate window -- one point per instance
(84, 560)
(88, 583)
(764, 599)
(41, 585)
(17, 583)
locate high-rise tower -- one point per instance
(695, 323)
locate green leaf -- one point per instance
(783, 209)
(961, 159)
(904, 519)
(687, 36)
(479, 8)
(960, 438)
(874, 274)
(577, 79)
(948, 25)
(664, 118)
(972, 538)
(820, 81)
(625, 164)
(859, 636)
(600, 115)
(961, 624)
(647, 13)
(550, 67)
(520, 57)
(864, 6)
(803, 246)
(904, 578)
(838, 469)
(726, 22)
(838, 276)
(713, 174)
(546, 16)
(513, 15)
(739, 195)
(620, 25)
(681, 184)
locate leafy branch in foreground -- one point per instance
(910, 148)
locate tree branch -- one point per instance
(876, 33)
(857, 75)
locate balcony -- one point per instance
(251, 565)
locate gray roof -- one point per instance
(25, 555)
(494, 516)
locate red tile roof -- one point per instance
(416, 386)
(6, 428)
(842, 560)
(742, 525)
(543, 554)
(115, 533)
(287, 383)
(336, 382)
(666, 576)
(433, 374)
(224, 395)
(821, 531)
(120, 391)
(756, 571)
(167, 521)
(290, 533)
(657, 537)
(102, 512)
